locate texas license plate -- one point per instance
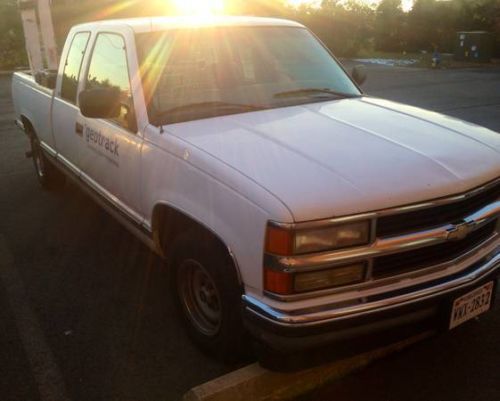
(472, 304)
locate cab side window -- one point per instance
(109, 69)
(71, 73)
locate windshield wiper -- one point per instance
(315, 91)
(203, 110)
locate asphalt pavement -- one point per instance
(84, 309)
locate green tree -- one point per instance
(481, 15)
(344, 26)
(477, 14)
(431, 24)
(434, 23)
(12, 53)
(390, 23)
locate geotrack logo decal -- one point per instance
(107, 147)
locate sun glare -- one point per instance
(200, 7)
(207, 8)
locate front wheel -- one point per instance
(208, 296)
(199, 297)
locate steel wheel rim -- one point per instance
(200, 297)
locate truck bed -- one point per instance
(34, 101)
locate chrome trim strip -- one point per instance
(116, 213)
(147, 225)
(322, 223)
(70, 166)
(311, 318)
(112, 208)
(52, 152)
(129, 212)
(439, 201)
(484, 214)
(391, 283)
(384, 246)
(19, 124)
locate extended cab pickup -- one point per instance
(287, 203)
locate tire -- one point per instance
(208, 296)
(47, 174)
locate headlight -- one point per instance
(333, 237)
(281, 241)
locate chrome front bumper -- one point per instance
(474, 274)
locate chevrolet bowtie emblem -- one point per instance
(460, 231)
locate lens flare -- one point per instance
(199, 7)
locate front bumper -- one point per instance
(423, 306)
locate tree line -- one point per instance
(346, 26)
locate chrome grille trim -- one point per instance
(398, 281)
(382, 246)
(329, 313)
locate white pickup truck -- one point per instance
(288, 204)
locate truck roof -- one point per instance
(150, 24)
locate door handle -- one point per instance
(79, 128)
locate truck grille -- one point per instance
(404, 262)
(435, 216)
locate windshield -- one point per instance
(190, 74)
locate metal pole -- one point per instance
(48, 37)
(31, 34)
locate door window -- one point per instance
(71, 74)
(109, 69)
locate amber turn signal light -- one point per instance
(279, 241)
(278, 282)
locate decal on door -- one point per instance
(102, 144)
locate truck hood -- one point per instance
(349, 156)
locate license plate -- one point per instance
(472, 304)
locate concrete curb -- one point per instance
(258, 384)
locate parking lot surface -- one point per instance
(84, 309)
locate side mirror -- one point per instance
(100, 103)
(359, 74)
